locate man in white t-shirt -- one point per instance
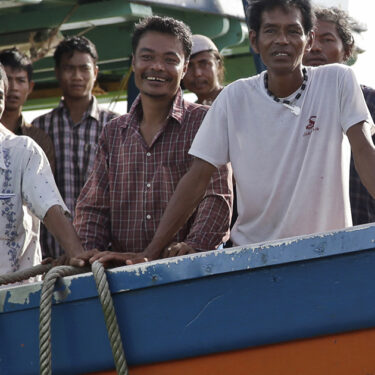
(286, 134)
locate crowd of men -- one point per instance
(158, 181)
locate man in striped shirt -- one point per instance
(143, 154)
(75, 125)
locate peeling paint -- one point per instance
(2, 301)
(19, 295)
(63, 290)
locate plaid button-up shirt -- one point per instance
(75, 149)
(362, 203)
(132, 182)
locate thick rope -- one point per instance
(110, 318)
(15, 277)
(108, 310)
(45, 313)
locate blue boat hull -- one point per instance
(200, 304)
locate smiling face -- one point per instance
(202, 76)
(159, 65)
(19, 88)
(327, 48)
(281, 41)
(76, 75)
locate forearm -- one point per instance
(366, 171)
(63, 231)
(185, 199)
(363, 151)
(210, 227)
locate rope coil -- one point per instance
(110, 318)
(108, 310)
(14, 277)
(45, 314)
(53, 273)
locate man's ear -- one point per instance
(253, 41)
(348, 53)
(186, 65)
(310, 40)
(31, 87)
(96, 70)
(133, 62)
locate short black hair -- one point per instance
(4, 78)
(257, 7)
(165, 25)
(75, 43)
(16, 59)
(344, 25)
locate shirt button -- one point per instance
(148, 217)
(148, 154)
(148, 185)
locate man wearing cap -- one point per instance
(205, 73)
(204, 77)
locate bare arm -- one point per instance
(363, 154)
(62, 229)
(211, 220)
(185, 199)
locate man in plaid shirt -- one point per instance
(143, 154)
(75, 125)
(334, 43)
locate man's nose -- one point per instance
(157, 64)
(197, 71)
(282, 37)
(77, 73)
(317, 46)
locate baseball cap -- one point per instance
(202, 43)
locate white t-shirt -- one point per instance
(27, 191)
(292, 172)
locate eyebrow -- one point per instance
(276, 25)
(79, 65)
(202, 59)
(145, 49)
(328, 33)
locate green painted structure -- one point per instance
(36, 26)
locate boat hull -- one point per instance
(198, 305)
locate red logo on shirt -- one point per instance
(310, 127)
(311, 122)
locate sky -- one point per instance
(364, 11)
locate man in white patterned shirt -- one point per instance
(75, 125)
(28, 194)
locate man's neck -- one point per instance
(210, 97)
(155, 113)
(155, 110)
(77, 107)
(10, 119)
(283, 85)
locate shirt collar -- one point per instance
(176, 112)
(92, 111)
